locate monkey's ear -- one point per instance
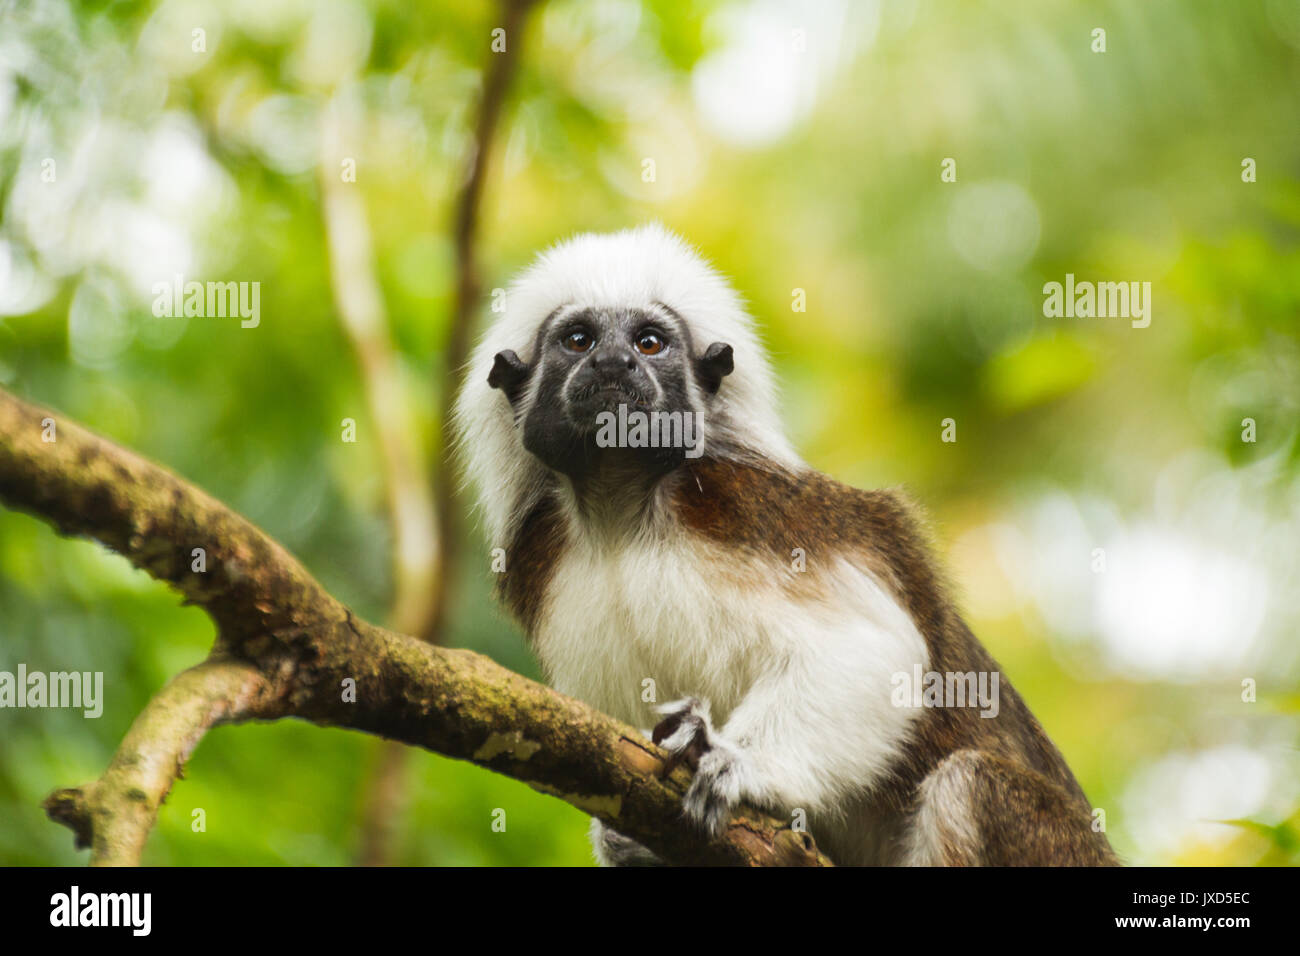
(508, 374)
(714, 365)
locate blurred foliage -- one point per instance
(800, 146)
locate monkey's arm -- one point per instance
(776, 750)
(809, 733)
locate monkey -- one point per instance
(771, 607)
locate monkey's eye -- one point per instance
(578, 341)
(649, 342)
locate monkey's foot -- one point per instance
(614, 849)
(688, 735)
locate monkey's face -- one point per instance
(611, 381)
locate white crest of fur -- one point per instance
(632, 268)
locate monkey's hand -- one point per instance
(720, 766)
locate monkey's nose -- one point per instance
(614, 362)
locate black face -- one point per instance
(599, 373)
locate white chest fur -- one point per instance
(626, 627)
(805, 672)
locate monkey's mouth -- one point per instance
(609, 394)
(590, 402)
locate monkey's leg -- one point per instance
(979, 809)
(614, 849)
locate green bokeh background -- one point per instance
(800, 147)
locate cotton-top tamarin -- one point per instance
(620, 424)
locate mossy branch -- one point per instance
(285, 647)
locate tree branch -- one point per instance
(497, 76)
(360, 306)
(285, 647)
(114, 814)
